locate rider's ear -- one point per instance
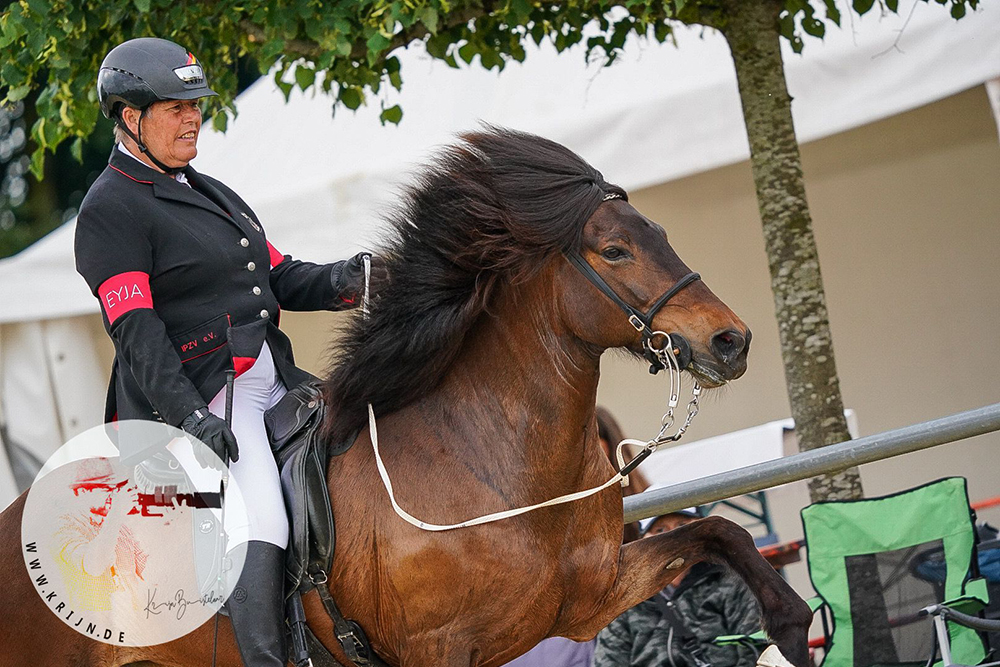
(131, 117)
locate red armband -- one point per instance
(124, 292)
(276, 257)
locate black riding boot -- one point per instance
(257, 607)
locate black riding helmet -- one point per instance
(146, 70)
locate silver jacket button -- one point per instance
(244, 242)
(256, 290)
(251, 266)
(263, 314)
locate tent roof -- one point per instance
(658, 114)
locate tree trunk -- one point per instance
(751, 28)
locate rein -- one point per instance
(665, 357)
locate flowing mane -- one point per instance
(486, 211)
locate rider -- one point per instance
(190, 287)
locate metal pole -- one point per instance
(804, 465)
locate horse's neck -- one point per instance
(523, 390)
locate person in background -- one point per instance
(675, 627)
(559, 651)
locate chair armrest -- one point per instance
(974, 622)
(975, 598)
(759, 638)
(815, 603)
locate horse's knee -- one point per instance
(725, 534)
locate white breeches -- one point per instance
(255, 472)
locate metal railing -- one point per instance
(804, 465)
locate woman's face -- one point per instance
(169, 129)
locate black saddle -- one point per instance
(293, 426)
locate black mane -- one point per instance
(488, 210)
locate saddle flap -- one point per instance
(307, 500)
(292, 414)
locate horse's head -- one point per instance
(632, 256)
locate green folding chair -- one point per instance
(881, 566)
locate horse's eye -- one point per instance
(612, 253)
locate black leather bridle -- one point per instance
(642, 322)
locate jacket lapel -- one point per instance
(201, 184)
(165, 187)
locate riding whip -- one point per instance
(223, 485)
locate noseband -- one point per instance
(643, 322)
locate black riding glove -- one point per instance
(348, 277)
(216, 435)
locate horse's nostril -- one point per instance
(728, 344)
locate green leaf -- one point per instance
(393, 115)
(12, 75)
(76, 149)
(661, 31)
(429, 17)
(489, 58)
(142, 5)
(220, 121)
(272, 48)
(958, 10)
(285, 87)
(39, 7)
(304, 76)
(438, 46)
(832, 13)
(35, 41)
(10, 30)
(862, 6)
(537, 32)
(467, 52)
(522, 10)
(18, 93)
(351, 97)
(814, 27)
(38, 162)
(892, 5)
(377, 43)
(344, 46)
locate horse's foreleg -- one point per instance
(648, 565)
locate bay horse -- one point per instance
(480, 358)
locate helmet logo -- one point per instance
(190, 73)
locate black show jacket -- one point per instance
(189, 287)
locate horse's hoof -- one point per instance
(771, 657)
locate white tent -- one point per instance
(320, 183)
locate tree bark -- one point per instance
(751, 28)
